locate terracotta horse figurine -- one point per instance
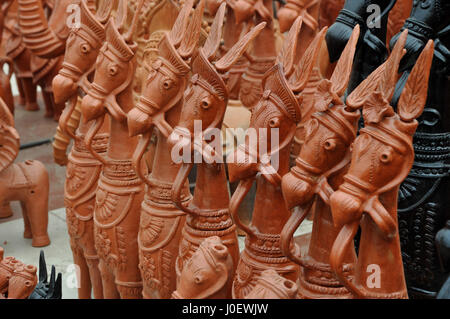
(45, 36)
(208, 273)
(263, 54)
(205, 103)
(381, 159)
(26, 182)
(267, 152)
(83, 169)
(17, 280)
(318, 170)
(120, 191)
(159, 108)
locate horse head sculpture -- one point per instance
(323, 157)
(206, 274)
(382, 156)
(82, 48)
(167, 80)
(279, 109)
(206, 100)
(22, 281)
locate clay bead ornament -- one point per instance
(207, 273)
(83, 169)
(46, 40)
(26, 182)
(278, 109)
(318, 170)
(159, 110)
(120, 191)
(368, 197)
(205, 100)
(273, 286)
(17, 52)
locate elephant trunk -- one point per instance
(37, 36)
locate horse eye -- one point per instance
(85, 48)
(167, 84)
(112, 70)
(198, 279)
(386, 157)
(330, 145)
(274, 122)
(206, 104)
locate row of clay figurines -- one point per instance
(159, 241)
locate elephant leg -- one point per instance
(22, 97)
(5, 210)
(38, 216)
(109, 286)
(48, 103)
(26, 221)
(84, 285)
(30, 94)
(94, 274)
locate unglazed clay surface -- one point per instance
(368, 195)
(278, 108)
(26, 182)
(83, 169)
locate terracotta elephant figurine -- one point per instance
(26, 182)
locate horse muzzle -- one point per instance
(63, 88)
(296, 192)
(345, 208)
(92, 108)
(241, 165)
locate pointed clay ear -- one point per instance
(343, 70)
(179, 27)
(287, 53)
(122, 14)
(192, 35)
(300, 77)
(212, 43)
(129, 36)
(104, 10)
(225, 63)
(414, 96)
(390, 77)
(359, 95)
